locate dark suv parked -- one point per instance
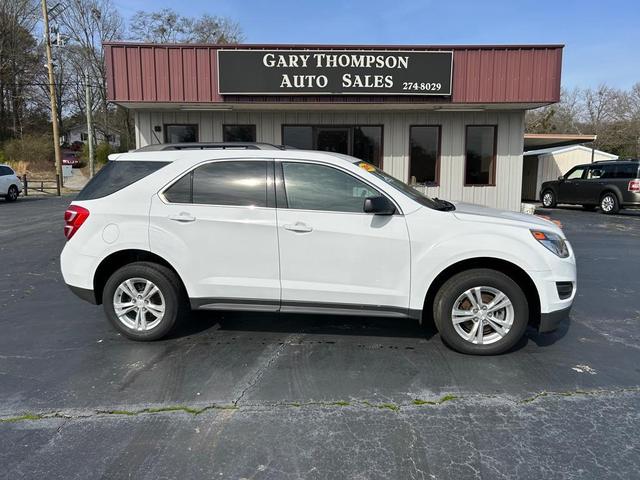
(611, 185)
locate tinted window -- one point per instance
(626, 171)
(361, 141)
(480, 166)
(367, 144)
(599, 172)
(180, 192)
(299, 137)
(318, 187)
(241, 183)
(5, 171)
(115, 176)
(576, 173)
(239, 133)
(180, 133)
(424, 154)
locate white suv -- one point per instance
(10, 183)
(158, 232)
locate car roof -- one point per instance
(161, 147)
(190, 155)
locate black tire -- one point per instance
(456, 286)
(609, 203)
(170, 288)
(12, 194)
(589, 208)
(548, 199)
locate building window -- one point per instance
(84, 137)
(180, 133)
(361, 141)
(238, 133)
(424, 155)
(480, 166)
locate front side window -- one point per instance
(576, 173)
(242, 183)
(238, 133)
(180, 133)
(480, 167)
(318, 187)
(424, 155)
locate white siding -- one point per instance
(506, 194)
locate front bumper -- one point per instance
(551, 321)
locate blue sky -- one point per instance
(602, 39)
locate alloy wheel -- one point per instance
(607, 203)
(547, 199)
(482, 315)
(139, 304)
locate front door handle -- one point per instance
(298, 227)
(183, 217)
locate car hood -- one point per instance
(469, 212)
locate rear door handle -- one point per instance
(183, 217)
(298, 227)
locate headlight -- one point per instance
(553, 242)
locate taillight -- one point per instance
(634, 186)
(74, 217)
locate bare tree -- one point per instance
(167, 26)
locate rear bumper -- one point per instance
(84, 293)
(550, 321)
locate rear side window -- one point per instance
(115, 176)
(5, 171)
(241, 183)
(626, 171)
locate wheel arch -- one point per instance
(118, 259)
(611, 189)
(504, 266)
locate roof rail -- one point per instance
(211, 146)
(618, 160)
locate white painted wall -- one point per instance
(506, 194)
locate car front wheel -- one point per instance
(548, 199)
(481, 312)
(143, 301)
(609, 203)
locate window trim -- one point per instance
(436, 182)
(255, 130)
(281, 189)
(196, 125)
(270, 188)
(494, 158)
(351, 127)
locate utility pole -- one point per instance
(52, 94)
(87, 94)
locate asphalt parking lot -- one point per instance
(258, 396)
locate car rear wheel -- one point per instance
(548, 199)
(481, 312)
(12, 194)
(143, 301)
(609, 203)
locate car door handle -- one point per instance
(183, 217)
(298, 227)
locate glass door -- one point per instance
(333, 139)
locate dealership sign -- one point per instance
(334, 72)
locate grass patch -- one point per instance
(440, 401)
(26, 416)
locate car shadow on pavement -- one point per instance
(201, 321)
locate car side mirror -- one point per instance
(561, 178)
(379, 206)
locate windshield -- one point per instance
(410, 192)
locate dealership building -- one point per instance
(447, 119)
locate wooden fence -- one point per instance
(49, 186)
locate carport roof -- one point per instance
(539, 141)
